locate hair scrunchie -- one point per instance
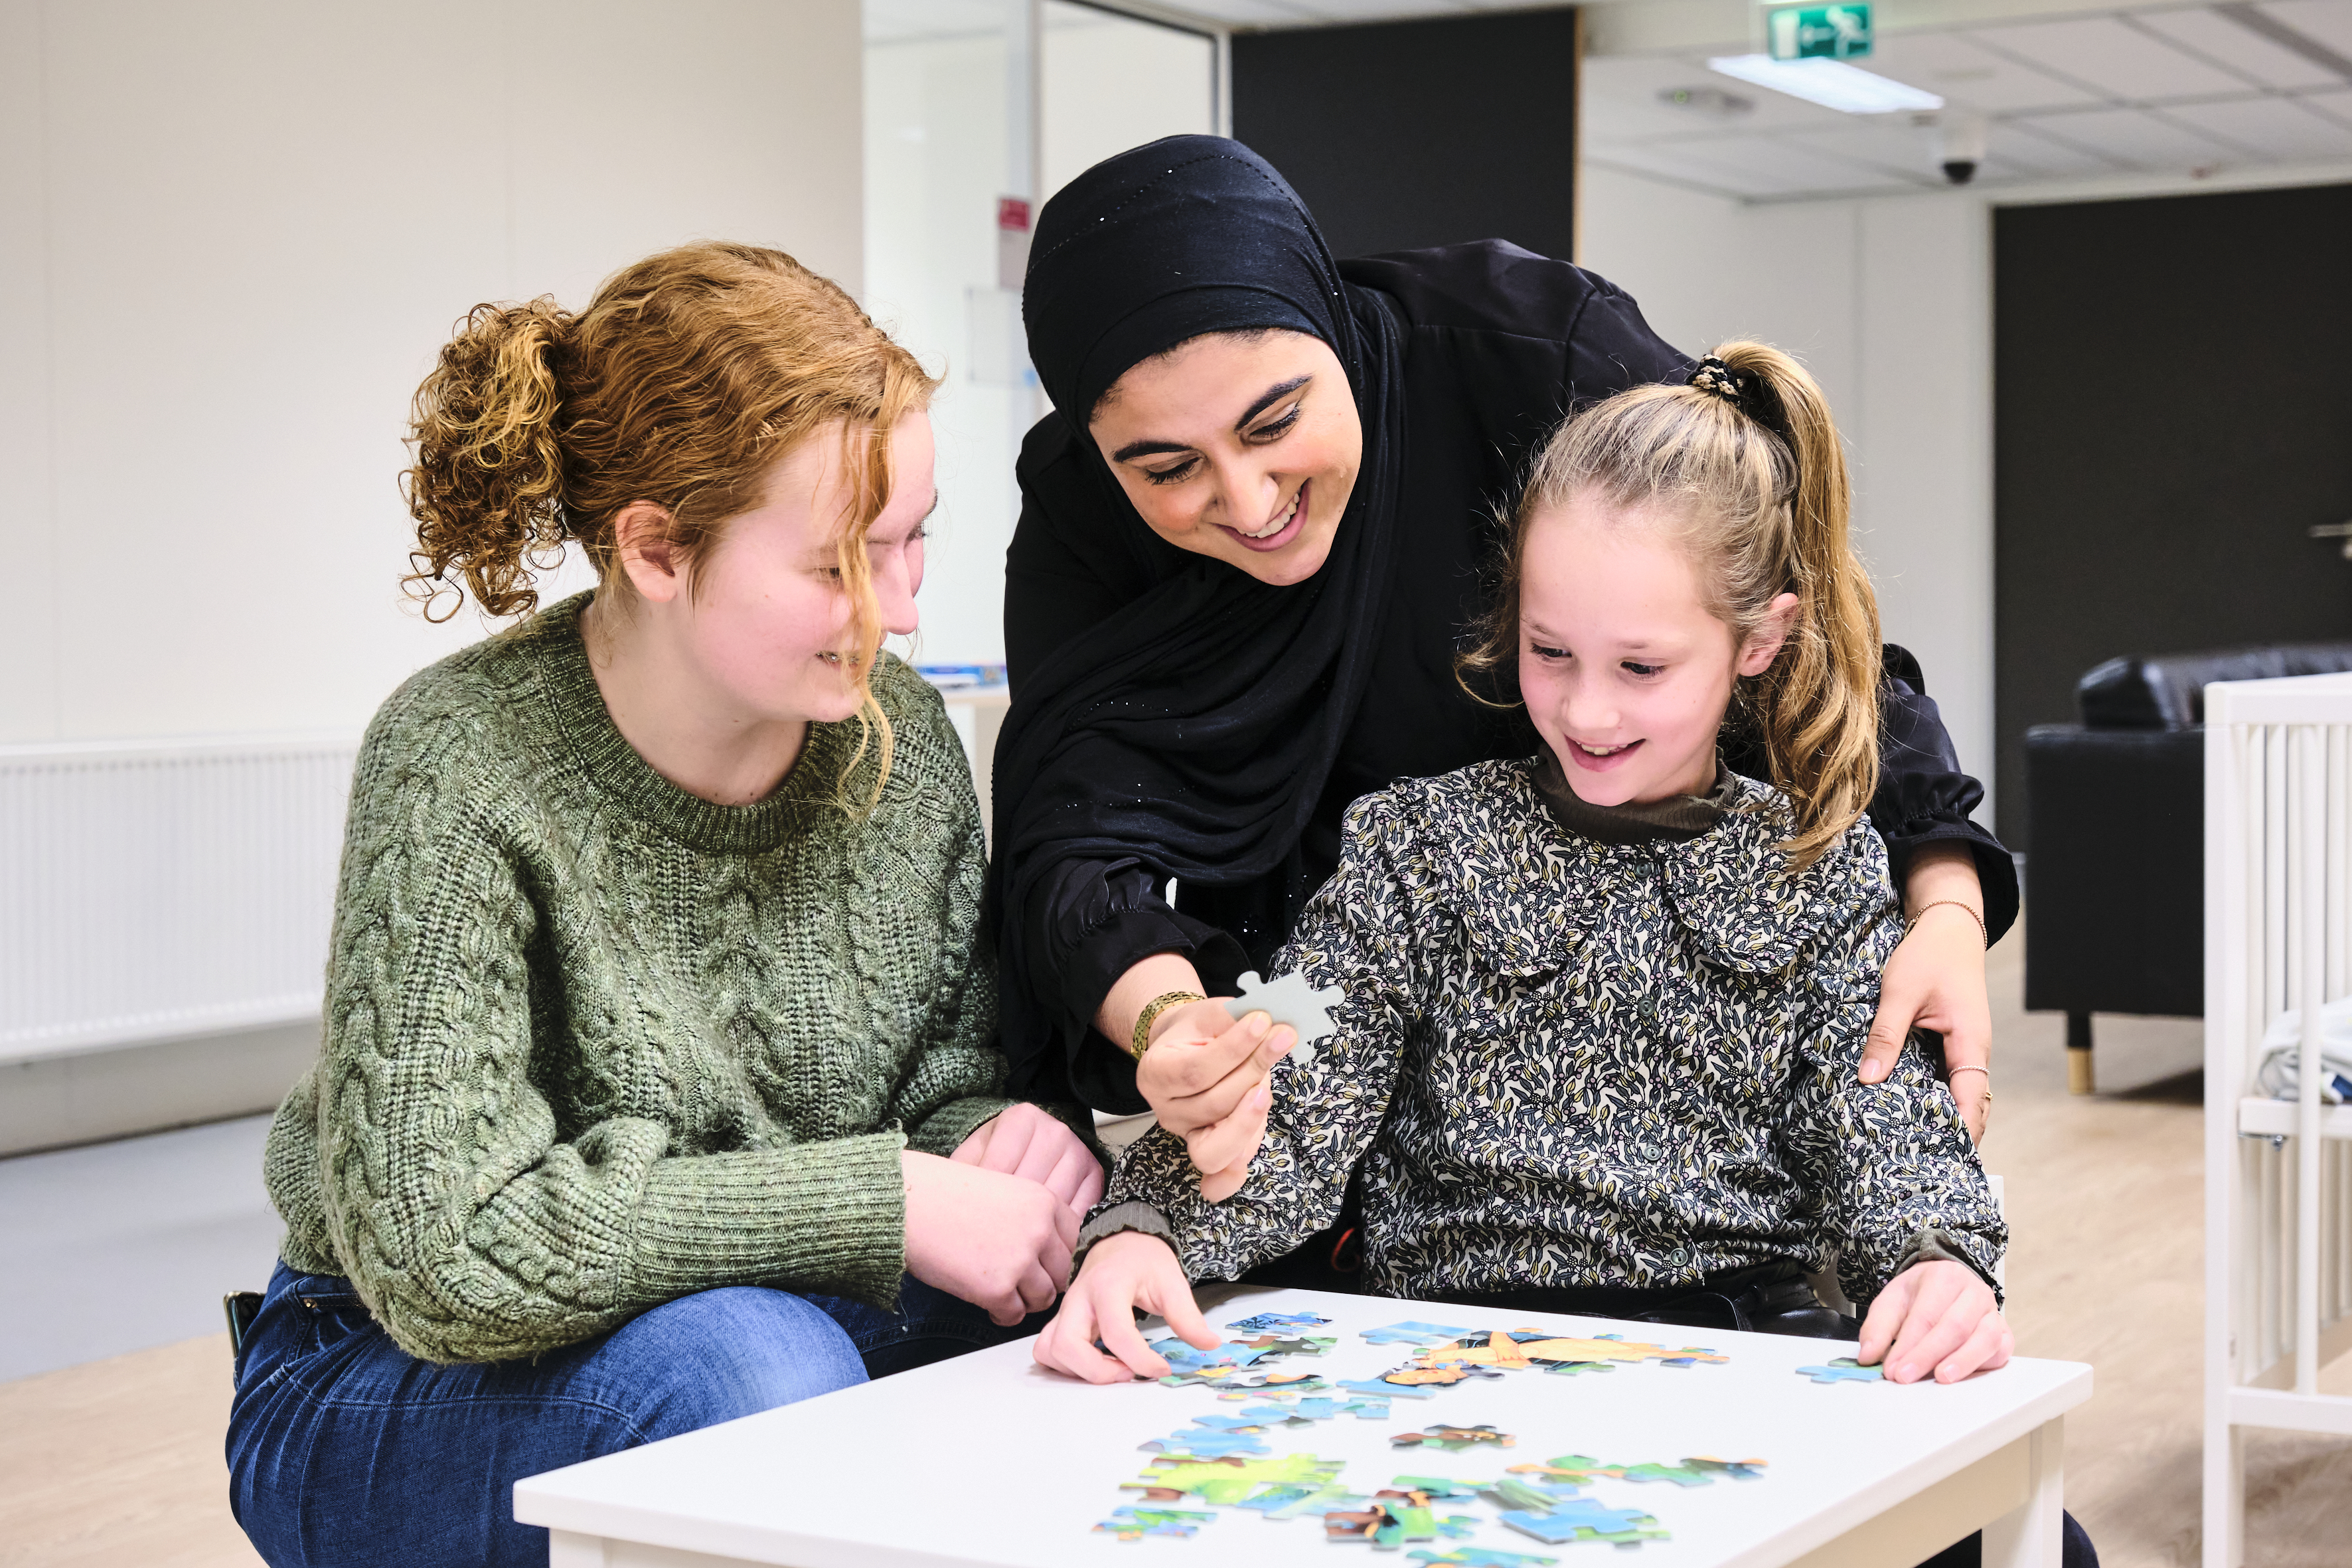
(1713, 375)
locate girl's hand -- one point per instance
(1025, 1142)
(1122, 1272)
(1935, 1316)
(1936, 981)
(1205, 1076)
(986, 1237)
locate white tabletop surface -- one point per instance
(987, 1459)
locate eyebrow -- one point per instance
(1266, 399)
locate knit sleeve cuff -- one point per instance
(1115, 1219)
(942, 1132)
(828, 1216)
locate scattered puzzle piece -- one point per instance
(1412, 1335)
(1581, 1519)
(1481, 1557)
(1264, 1320)
(1227, 1481)
(1845, 1369)
(1453, 1439)
(1293, 1000)
(1135, 1523)
(1380, 1388)
(1737, 1470)
(1510, 1351)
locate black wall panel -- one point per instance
(2173, 413)
(1411, 134)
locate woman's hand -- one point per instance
(1935, 1316)
(986, 1237)
(1205, 1076)
(1025, 1142)
(1122, 1272)
(1936, 981)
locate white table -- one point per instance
(988, 1460)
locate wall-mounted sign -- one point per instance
(1819, 32)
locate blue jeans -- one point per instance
(343, 1448)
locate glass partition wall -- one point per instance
(975, 112)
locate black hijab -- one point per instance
(1194, 731)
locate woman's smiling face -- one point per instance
(1241, 446)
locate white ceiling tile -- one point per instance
(2134, 138)
(1345, 11)
(2104, 53)
(2336, 106)
(1953, 66)
(2249, 53)
(1901, 150)
(2014, 145)
(1641, 158)
(2276, 128)
(1769, 161)
(2328, 21)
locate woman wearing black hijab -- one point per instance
(1251, 534)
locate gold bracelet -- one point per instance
(1956, 904)
(1142, 1042)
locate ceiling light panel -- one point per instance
(1833, 84)
(1965, 73)
(1621, 92)
(2256, 58)
(2329, 21)
(2136, 139)
(2116, 59)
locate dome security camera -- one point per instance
(1960, 145)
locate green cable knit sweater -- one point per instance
(593, 1043)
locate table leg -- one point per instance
(567, 1550)
(2032, 1534)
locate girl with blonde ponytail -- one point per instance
(660, 1082)
(1604, 1005)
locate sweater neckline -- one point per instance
(616, 767)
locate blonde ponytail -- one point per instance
(1747, 461)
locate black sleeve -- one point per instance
(1091, 922)
(1923, 796)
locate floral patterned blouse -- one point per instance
(1578, 1064)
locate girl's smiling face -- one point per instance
(1626, 671)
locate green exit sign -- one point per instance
(1819, 32)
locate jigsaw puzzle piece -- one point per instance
(1135, 1523)
(1411, 1333)
(1737, 1470)
(1844, 1369)
(1481, 1557)
(1294, 1001)
(1263, 1322)
(1380, 1388)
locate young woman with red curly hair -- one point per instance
(660, 1081)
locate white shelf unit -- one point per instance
(2278, 1174)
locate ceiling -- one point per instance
(2162, 89)
(2066, 88)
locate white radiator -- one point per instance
(151, 890)
(2278, 1174)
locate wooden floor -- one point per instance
(118, 1464)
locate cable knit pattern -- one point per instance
(593, 1043)
(1576, 1064)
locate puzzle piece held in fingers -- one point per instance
(1291, 1000)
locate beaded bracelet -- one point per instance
(1142, 1042)
(1955, 904)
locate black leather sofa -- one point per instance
(2115, 851)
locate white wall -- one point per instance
(1889, 302)
(232, 236)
